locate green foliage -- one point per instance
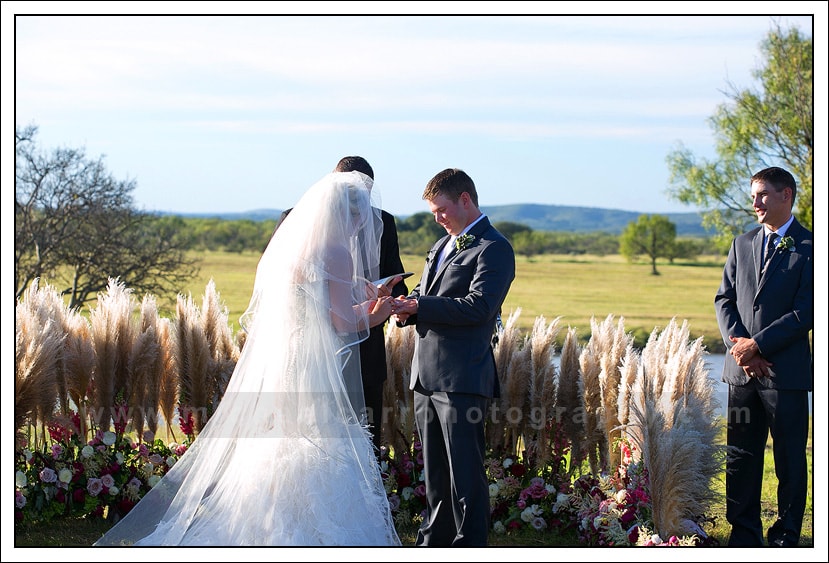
(417, 233)
(755, 130)
(652, 236)
(75, 224)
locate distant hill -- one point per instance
(537, 217)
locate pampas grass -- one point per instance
(508, 342)
(570, 400)
(168, 385)
(673, 423)
(112, 338)
(543, 395)
(38, 347)
(398, 422)
(193, 362)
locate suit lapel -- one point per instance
(433, 267)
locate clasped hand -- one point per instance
(747, 355)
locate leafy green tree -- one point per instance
(755, 130)
(650, 235)
(510, 229)
(75, 227)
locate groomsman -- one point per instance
(765, 311)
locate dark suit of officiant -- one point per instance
(776, 309)
(454, 366)
(373, 349)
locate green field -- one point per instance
(574, 288)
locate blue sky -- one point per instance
(236, 113)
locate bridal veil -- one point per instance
(286, 458)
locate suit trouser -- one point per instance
(753, 411)
(451, 429)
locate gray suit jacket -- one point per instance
(458, 306)
(777, 309)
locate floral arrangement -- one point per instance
(786, 243)
(104, 476)
(616, 510)
(463, 241)
(404, 482)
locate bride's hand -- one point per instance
(380, 310)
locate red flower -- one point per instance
(125, 505)
(403, 480)
(517, 469)
(60, 496)
(79, 496)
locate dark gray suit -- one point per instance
(777, 311)
(454, 378)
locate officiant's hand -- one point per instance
(384, 289)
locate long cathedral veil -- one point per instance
(286, 458)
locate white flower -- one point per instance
(88, 451)
(65, 475)
(153, 480)
(407, 493)
(171, 460)
(499, 528)
(562, 501)
(531, 512)
(113, 490)
(656, 539)
(20, 480)
(119, 457)
(621, 496)
(549, 488)
(28, 453)
(493, 490)
(507, 463)
(109, 438)
(384, 466)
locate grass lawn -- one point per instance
(575, 288)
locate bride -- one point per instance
(285, 460)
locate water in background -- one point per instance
(714, 363)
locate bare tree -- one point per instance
(75, 225)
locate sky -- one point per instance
(235, 113)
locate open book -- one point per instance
(387, 279)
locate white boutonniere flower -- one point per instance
(786, 243)
(463, 241)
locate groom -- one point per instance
(454, 310)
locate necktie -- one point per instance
(772, 240)
(447, 250)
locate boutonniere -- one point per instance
(463, 241)
(786, 243)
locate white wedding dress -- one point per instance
(285, 460)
